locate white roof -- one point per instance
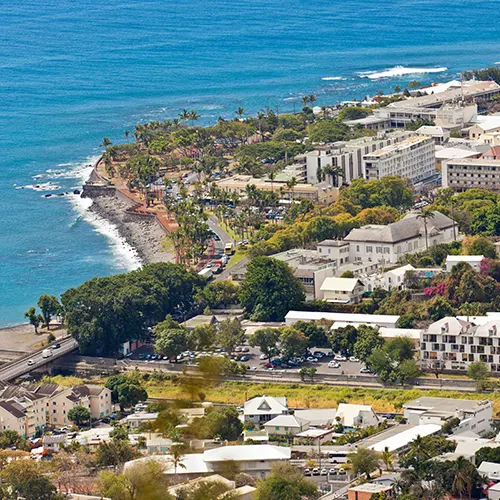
(314, 433)
(265, 405)
(400, 271)
(453, 325)
(247, 452)
(286, 421)
(142, 416)
(346, 317)
(489, 468)
(469, 448)
(317, 416)
(348, 412)
(191, 464)
(400, 440)
(488, 122)
(342, 284)
(454, 153)
(431, 130)
(464, 258)
(390, 333)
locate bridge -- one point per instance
(35, 360)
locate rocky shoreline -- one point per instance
(142, 233)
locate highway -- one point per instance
(19, 367)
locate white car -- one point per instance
(262, 357)
(333, 364)
(339, 357)
(364, 369)
(31, 362)
(353, 359)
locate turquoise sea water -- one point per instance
(74, 72)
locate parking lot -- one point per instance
(251, 356)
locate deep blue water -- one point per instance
(72, 72)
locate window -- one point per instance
(369, 249)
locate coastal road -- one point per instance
(15, 369)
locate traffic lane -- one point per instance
(224, 237)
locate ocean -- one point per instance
(73, 72)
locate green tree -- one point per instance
(325, 131)
(79, 415)
(347, 274)
(480, 373)
(33, 318)
(49, 305)
(292, 343)
(388, 458)
(286, 482)
(144, 480)
(115, 453)
(479, 245)
(222, 422)
(368, 339)
(171, 338)
(352, 113)
(415, 84)
(204, 337)
(426, 214)
(364, 461)
(315, 333)
(119, 433)
(267, 340)
(126, 391)
(270, 285)
(230, 334)
(219, 293)
(307, 371)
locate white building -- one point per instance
(285, 425)
(439, 134)
(485, 125)
(342, 290)
(263, 409)
(253, 459)
(474, 415)
(453, 343)
(318, 417)
(413, 158)
(466, 173)
(377, 243)
(401, 440)
(347, 157)
(135, 420)
(356, 319)
(473, 260)
(351, 415)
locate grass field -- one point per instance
(299, 396)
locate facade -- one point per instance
(99, 398)
(450, 153)
(439, 134)
(474, 261)
(12, 418)
(386, 244)
(351, 415)
(413, 158)
(474, 415)
(485, 125)
(318, 193)
(466, 173)
(285, 425)
(342, 290)
(347, 157)
(453, 343)
(137, 419)
(262, 409)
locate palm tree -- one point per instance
(387, 457)
(272, 175)
(240, 112)
(312, 98)
(126, 133)
(193, 116)
(185, 115)
(425, 215)
(177, 452)
(106, 142)
(462, 477)
(335, 172)
(453, 203)
(305, 100)
(260, 117)
(291, 184)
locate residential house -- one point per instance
(474, 261)
(408, 235)
(262, 409)
(342, 290)
(490, 470)
(494, 492)
(474, 415)
(12, 418)
(285, 425)
(318, 417)
(135, 420)
(353, 416)
(312, 435)
(99, 398)
(366, 491)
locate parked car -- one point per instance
(238, 349)
(354, 360)
(333, 364)
(341, 471)
(318, 354)
(262, 357)
(244, 358)
(365, 369)
(307, 472)
(332, 472)
(315, 471)
(339, 357)
(324, 472)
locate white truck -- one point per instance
(47, 353)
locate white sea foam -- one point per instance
(334, 78)
(399, 71)
(124, 253)
(45, 186)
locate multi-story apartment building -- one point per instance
(414, 159)
(377, 243)
(466, 173)
(347, 157)
(453, 343)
